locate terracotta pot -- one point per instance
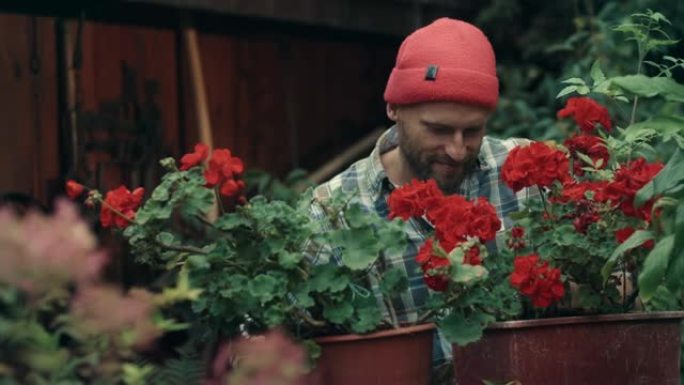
(399, 357)
(617, 349)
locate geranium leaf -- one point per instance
(359, 247)
(338, 312)
(264, 287)
(394, 281)
(460, 330)
(468, 274)
(326, 278)
(635, 240)
(654, 268)
(231, 221)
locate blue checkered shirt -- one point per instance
(368, 180)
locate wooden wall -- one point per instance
(277, 99)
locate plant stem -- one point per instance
(541, 194)
(310, 320)
(181, 248)
(117, 212)
(430, 312)
(394, 320)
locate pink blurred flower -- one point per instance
(272, 359)
(40, 252)
(106, 310)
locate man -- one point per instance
(440, 94)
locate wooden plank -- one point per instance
(28, 132)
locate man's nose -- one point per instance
(456, 148)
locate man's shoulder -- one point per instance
(496, 150)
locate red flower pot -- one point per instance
(616, 349)
(399, 357)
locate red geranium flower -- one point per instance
(591, 146)
(192, 159)
(224, 169)
(412, 199)
(629, 179)
(123, 201)
(534, 279)
(484, 222)
(535, 165)
(74, 189)
(586, 112)
(472, 257)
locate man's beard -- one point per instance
(422, 166)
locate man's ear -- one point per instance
(392, 112)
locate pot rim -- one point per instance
(634, 316)
(414, 329)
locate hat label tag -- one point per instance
(431, 72)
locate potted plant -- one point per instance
(604, 240)
(252, 261)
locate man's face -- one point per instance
(440, 140)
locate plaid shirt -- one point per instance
(368, 180)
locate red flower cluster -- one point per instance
(124, 202)
(535, 279)
(435, 268)
(225, 169)
(577, 191)
(455, 220)
(517, 241)
(591, 146)
(413, 199)
(628, 180)
(586, 112)
(74, 189)
(535, 165)
(193, 159)
(222, 169)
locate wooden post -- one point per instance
(200, 98)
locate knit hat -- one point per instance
(448, 60)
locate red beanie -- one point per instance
(448, 60)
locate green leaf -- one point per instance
(596, 74)
(339, 312)
(359, 247)
(161, 193)
(289, 260)
(356, 216)
(468, 274)
(654, 268)
(668, 178)
(328, 277)
(460, 330)
(366, 319)
(302, 297)
(166, 238)
(199, 262)
(565, 91)
(648, 87)
(392, 236)
(575, 81)
(635, 240)
(394, 281)
(228, 222)
(679, 230)
(264, 287)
